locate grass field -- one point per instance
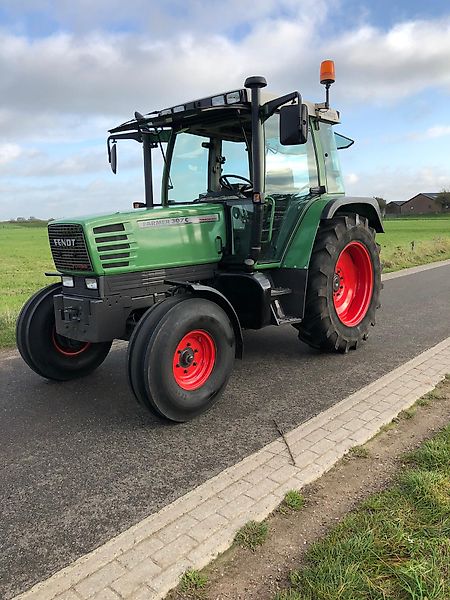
(25, 256)
(431, 237)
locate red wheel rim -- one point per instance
(194, 359)
(353, 284)
(68, 347)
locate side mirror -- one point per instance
(113, 158)
(293, 124)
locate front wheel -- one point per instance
(181, 357)
(48, 353)
(344, 283)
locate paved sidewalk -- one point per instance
(146, 561)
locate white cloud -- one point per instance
(399, 183)
(9, 153)
(113, 74)
(437, 131)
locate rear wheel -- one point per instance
(48, 353)
(182, 357)
(344, 283)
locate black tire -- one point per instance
(137, 347)
(50, 355)
(322, 327)
(155, 381)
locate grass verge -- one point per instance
(193, 582)
(395, 545)
(252, 535)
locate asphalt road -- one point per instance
(81, 461)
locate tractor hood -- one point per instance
(139, 240)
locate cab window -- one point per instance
(289, 169)
(188, 168)
(335, 184)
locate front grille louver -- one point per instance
(107, 246)
(68, 247)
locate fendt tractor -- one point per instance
(253, 228)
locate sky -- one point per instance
(69, 71)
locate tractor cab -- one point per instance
(263, 157)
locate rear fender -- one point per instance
(366, 207)
(320, 210)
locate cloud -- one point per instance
(398, 183)
(74, 80)
(437, 131)
(9, 153)
(392, 65)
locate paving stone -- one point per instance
(284, 474)
(322, 446)
(143, 572)
(106, 594)
(256, 476)
(182, 525)
(263, 507)
(217, 543)
(100, 579)
(236, 507)
(304, 458)
(234, 490)
(144, 592)
(261, 489)
(316, 435)
(202, 511)
(138, 553)
(69, 595)
(169, 578)
(338, 435)
(170, 553)
(208, 527)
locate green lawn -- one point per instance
(431, 237)
(25, 256)
(396, 545)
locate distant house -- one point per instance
(393, 208)
(422, 204)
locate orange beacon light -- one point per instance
(327, 77)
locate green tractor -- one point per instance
(252, 229)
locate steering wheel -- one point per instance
(247, 186)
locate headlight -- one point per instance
(67, 281)
(91, 284)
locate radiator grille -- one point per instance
(68, 247)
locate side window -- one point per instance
(335, 184)
(236, 159)
(289, 169)
(188, 168)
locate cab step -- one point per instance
(280, 291)
(279, 317)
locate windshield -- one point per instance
(198, 162)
